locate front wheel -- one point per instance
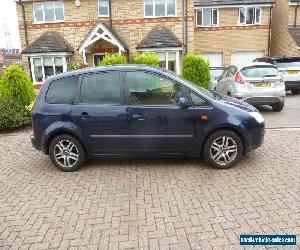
(223, 149)
(66, 153)
(278, 106)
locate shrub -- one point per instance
(113, 59)
(196, 70)
(16, 85)
(13, 114)
(76, 66)
(147, 59)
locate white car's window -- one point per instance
(259, 71)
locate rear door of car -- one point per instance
(100, 113)
(156, 123)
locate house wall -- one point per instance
(127, 19)
(230, 37)
(283, 44)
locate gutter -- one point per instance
(25, 33)
(270, 31)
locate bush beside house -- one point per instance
(16, 92)
(113, 60)
(196, 70)
(146, 59)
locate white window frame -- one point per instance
(43, 9)
(167, 50)
(211, 17)
(64, 60)
(166, 10)
(246, 13)
(108, 10)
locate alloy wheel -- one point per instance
(66, 153)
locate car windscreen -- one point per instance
(288, 62)
(259, 71)
(215, 73)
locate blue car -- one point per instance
(139, 111)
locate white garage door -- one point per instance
(245, 57)
(215, 59)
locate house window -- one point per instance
(43, 67)
(103, 8)
(249, 16)
(158, 8)
(48, 12)
(168, 60)
(207, 17)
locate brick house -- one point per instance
(286, 28)
(55, 33)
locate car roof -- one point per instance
(244, 65)
(124, 67)
(280, 58)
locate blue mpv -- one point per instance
(139, 111)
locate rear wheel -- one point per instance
(278, 106)
(66, 153)
(223, 149)
(295, 91)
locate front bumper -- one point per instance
(34, 143)
(257, 138)
(291, 85)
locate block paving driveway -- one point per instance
(147, 203)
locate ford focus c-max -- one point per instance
(139, 111)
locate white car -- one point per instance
(257, 83)
(290, 69)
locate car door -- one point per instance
(156, 123)
(100, 114)
(222, 81)
(229, 80)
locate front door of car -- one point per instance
(100, 114)
(222, 81)
(156, 123)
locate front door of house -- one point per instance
(98, 58)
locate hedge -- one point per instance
(146, 59)
(196, 70)
(113, 59)
(16, 85)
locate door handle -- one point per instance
(85, 115)
(138, 117)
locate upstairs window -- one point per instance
(158, 8)
(249, 16)
(103, 8)
(48, 12)
(207, 17)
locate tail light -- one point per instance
(238, 78)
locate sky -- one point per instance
(9, 24)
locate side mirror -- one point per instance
(183, 102)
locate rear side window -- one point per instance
(259, 71)
(285, 63)
(62, 91)
(101, 88)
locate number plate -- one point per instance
(293, 72)
(263, 84)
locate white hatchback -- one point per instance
(256, 83)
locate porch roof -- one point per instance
(49, 42)
(160, 37)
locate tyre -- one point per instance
(66, 153)
(278, 106)
(223, 149)
(295, 91)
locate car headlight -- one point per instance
(257, 116)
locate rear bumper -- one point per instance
(264, 100)
(35, 143)
(291, 85)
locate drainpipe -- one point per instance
(25, 33)
(110, 17)
(270, 31)
(183, 27)
(296, 14)
(186, 26)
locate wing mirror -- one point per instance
(183, 102)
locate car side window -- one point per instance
(145, 88)
(231, 71)
(62, 91)
(197, 100)
(224, 74)
(101, 88)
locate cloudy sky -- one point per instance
(9, 24)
